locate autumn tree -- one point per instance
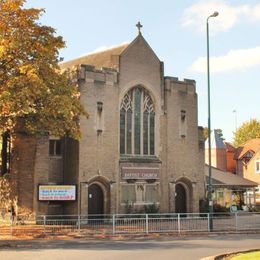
(205, 133)
(34, 94)
(32, 88)
(248, 130)
(6, 193)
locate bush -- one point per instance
(128, 207)
(204, 207)
(151, 209)
(147, 209)
(219, 208)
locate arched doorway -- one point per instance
(95, 200)
(180, 199)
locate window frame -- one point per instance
(141, 125)
(55, 147)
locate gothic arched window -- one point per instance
(137, 120)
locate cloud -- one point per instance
(196, 15)
(255, 16)
(234, 60)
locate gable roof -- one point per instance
(251, 145)
(106, 58)
(139, 38)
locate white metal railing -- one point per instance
(131, 223)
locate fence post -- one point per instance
(236, 220)
(179, 223)
(79, 223)
(146, 224)
(113, 224)
(208, 222)
(12, 223)
(44, 224)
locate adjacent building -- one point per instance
(234, 171)
(247, 158)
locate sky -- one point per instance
(176, 31)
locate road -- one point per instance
(164, 247)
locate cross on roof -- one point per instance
(139, 26)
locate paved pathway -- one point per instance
(162, 248)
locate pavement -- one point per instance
(190, 247)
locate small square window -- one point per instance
(55, 147)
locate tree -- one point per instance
(248, 130)
(220, 133)
(6, 192)
(32, 88)
(206, 133)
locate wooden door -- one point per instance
(180, 199)
(95, 200)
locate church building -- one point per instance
(141, 146)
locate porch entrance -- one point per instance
(95, 200)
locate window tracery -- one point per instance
(137, 123)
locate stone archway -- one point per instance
(95, 200)
(180, 199)
(98, 195)
(183, 196)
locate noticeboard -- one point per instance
(57, 192)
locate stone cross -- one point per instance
(139, 26)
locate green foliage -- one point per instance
(32, 88)
(218, 208)
(248, 130)
(206, 133)
(204, 207)
(147, 209)
(247, 256)
(151, 209)
(128, 207)
(220, 133)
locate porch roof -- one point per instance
(227, 179)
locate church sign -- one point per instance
(145, 173)
(57, 192)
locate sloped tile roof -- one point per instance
(100, 59)
(227, 179)
(251, 145)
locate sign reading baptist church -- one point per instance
(140, 173)
(57, 192)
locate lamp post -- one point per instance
(209, 129)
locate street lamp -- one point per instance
(209, 129)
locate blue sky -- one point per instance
(176, 30)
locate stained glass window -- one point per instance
(137, 123)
